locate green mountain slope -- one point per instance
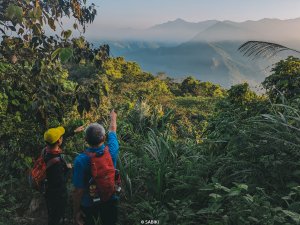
(216, 62)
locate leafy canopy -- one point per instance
(285, 79)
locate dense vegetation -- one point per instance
(191, 152)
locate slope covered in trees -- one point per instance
(191, 152)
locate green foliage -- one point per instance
(237, 206)
(117, 68)
(241, 94)
(189, 85)
(65, 54)
(33, 15)
(191, 152)
(193, 87)
(193, 114)
(285, 80)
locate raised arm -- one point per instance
(113, 121)
(112, 138)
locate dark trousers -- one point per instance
(104, 213)
(56, 204)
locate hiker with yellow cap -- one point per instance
(56, 175)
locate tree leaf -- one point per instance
(21, 31)
(65, 54)
(67, 34)
(51, 24)
(37, 12)
(55, 53)
(293, 215)
(75, 26)
(14, 13)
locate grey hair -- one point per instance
(94, 134)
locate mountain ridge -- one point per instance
(211, 53)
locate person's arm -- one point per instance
(70, 133)
(113, 121)
(78, 214)
(112, 138)
(79, 129)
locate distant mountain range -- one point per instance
(206, 50)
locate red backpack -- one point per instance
(102, 184)
(37, 174)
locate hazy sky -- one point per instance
(145, 13)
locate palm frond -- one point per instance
(263, 49)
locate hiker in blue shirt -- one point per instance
(85, 211)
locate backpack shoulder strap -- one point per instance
(43, 152)
(93, 154)
(62, 158)
(52, 161)
(89, 154)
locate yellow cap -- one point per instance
(52, 135)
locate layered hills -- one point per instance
(207, 50)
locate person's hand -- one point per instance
(78, 220)
(79, 129)
(69, 165)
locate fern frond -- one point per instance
(263, 49)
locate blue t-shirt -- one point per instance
(82, 167)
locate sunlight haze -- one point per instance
(145, 13)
